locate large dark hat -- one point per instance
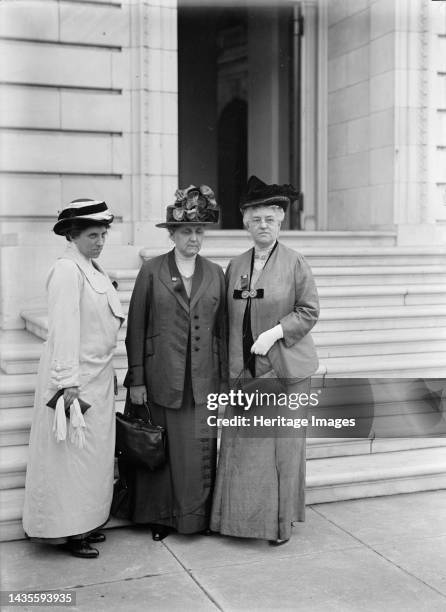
(259, 193)
(84, 210)
(194, 205)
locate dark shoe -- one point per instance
(278, 542)
(81, 548)
(206, 532)
(95, 537)
(159, 532)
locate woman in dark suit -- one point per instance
(176, 356)
(272, 306)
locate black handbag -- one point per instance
(120, 506)
(140, 442)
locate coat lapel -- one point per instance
(242, 267)
(172, 282)
(269, 265)
(201, 281)
(97, 278)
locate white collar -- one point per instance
(263, 253)
(184, 259)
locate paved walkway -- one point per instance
(378, 554)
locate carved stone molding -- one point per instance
(412, 92)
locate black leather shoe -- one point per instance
(277, 542)
(82, 549)
(95, 537)
(159, 532)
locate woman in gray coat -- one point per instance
(272, 306)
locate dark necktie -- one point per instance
(249, 359)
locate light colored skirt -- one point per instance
(260, 485)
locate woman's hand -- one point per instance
(138, 394)
(69, 395)
(265, 341)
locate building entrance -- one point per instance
(238, 101)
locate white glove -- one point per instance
(266, 339)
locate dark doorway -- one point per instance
(235, 99)
(232, 160)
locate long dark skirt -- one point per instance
(179, 494)
(260, 487)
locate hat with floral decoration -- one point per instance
(194, 205)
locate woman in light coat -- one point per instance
(272, 306)
(69, 480)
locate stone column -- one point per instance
(413, 202)
(153, 88)
(310, 169)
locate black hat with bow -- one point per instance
(259, 193)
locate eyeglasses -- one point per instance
(267, 220)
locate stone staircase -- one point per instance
(383, 314)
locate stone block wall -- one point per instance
(64, 109)
(360, 114)
(88, 108)
(385, 123)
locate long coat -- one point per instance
(161, 324)
(260, 485)
(68, 490)
(289, 298)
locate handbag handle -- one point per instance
(239, 377)
(149, 414)
(146, 406)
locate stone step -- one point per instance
(328, 479)
(382, 275)
(331, 319)
(300, 239)
(379, 317)
(24, 359)
(372, 256)
(13, 461)
(430, 364)
(423, 365)
(11, 508)
(20, 359)
(36, 322)
(375, 342)
(368, 344)
(387, 473)
(342, 275)
(17, 390)
(13, 458)
(380, 342)
(382, 295)
(335, 256)
(15, 424)
(323, 448)
(358, 295)
(377, 336)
